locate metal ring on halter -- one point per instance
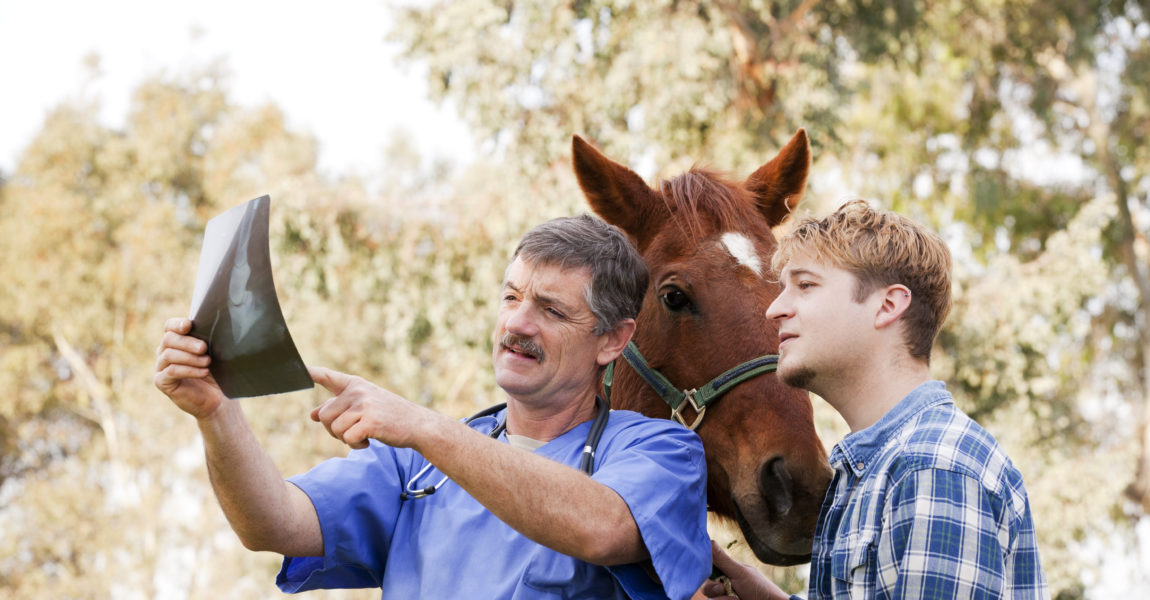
(677, 412)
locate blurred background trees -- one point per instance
(1016, 128)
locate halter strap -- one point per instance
(697, 399)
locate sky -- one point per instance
(327, 65)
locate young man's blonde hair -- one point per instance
(881, 248)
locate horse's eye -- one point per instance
(675, 299)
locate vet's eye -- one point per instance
(675, 299)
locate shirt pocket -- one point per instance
(853, 560)
(553, 575)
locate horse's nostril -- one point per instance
(775, 484)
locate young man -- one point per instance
(498, 507)
(924, 503)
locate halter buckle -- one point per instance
(677, 413)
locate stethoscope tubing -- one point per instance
(586, 462)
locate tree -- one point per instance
(101, 491)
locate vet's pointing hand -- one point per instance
(360, 411)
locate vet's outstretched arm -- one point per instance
(553, 504)
(266, 512)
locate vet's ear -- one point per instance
(615, 193)
(778, 185)
(612, 343)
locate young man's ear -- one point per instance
(895, 300)
(613, 342)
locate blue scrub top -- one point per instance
(447, 545)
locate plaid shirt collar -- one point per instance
(856, 450)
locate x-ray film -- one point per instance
(236, 311)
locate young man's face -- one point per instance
(544, 348)
(823, 331)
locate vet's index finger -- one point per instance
(334, 381)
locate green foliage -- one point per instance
(647, 80)
(98, 227)
(1030, 347)
(1017, 128)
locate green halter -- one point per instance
(698, 399)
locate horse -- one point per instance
(702, 332)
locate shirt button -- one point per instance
(860, 466)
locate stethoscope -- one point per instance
(586, 463)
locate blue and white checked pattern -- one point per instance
(925, 504)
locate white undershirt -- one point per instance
(524, 442)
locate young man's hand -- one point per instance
(747, 582)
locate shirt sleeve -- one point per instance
(346, 508)
(662, 478)
(947, 538)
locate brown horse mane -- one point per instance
(703, 196)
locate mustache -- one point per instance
(523, 344)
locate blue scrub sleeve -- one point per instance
(662, 478)
(347, 507)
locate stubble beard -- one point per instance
(798, 378)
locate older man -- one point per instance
(552, 495)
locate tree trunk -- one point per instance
(1131, 240)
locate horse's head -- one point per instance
(708, 243)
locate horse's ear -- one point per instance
(778, 185)
(615, 193)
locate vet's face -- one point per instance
(544, 346)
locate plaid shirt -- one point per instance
(925, 504)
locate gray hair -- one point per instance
(618, 275)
